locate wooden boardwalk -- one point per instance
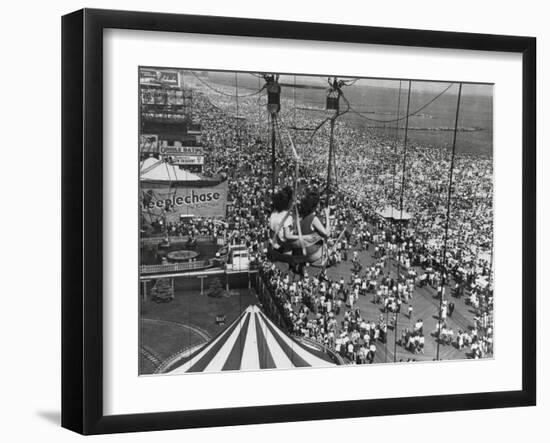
(425, 307)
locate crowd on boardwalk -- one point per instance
(326, 310)
(367, 179)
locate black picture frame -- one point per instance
(82, 220)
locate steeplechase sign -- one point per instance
(174, 201)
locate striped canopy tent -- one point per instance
(159, 170)
(252, 342)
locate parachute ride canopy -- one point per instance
(252, 342)
(391, 213)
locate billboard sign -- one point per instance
(148, 143)
(180, 150)
(188, 160)
(177, 200)
(159, 77)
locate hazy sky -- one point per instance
(427, 86)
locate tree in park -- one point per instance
(163, 291)
(215, 289)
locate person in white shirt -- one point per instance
(371, 353)
(280, 221)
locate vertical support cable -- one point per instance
(259, 108)
(334, 164)
(272, 154)
(405, 150)
(294, 92)
(403, 179)
(237, 126)
(296, 158)
(401, 210)
(398, 112)
(449, 192)
(239, 160)
(330, 155)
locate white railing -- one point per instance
(174, 267)
(322, 347)
(152, 240)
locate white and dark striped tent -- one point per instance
(251, 342)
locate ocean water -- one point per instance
(376, 107)
(433, 125)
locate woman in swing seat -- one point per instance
(281, 206)
(281, 222)
(313, 231)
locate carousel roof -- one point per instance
(251, 342)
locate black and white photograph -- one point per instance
(295, 221)
(248, 221)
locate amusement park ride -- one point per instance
(337, 105)
(237, 257)
(181, 258)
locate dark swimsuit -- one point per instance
(307, 229)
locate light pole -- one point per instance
(449, 192)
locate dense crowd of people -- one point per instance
(367, 178)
